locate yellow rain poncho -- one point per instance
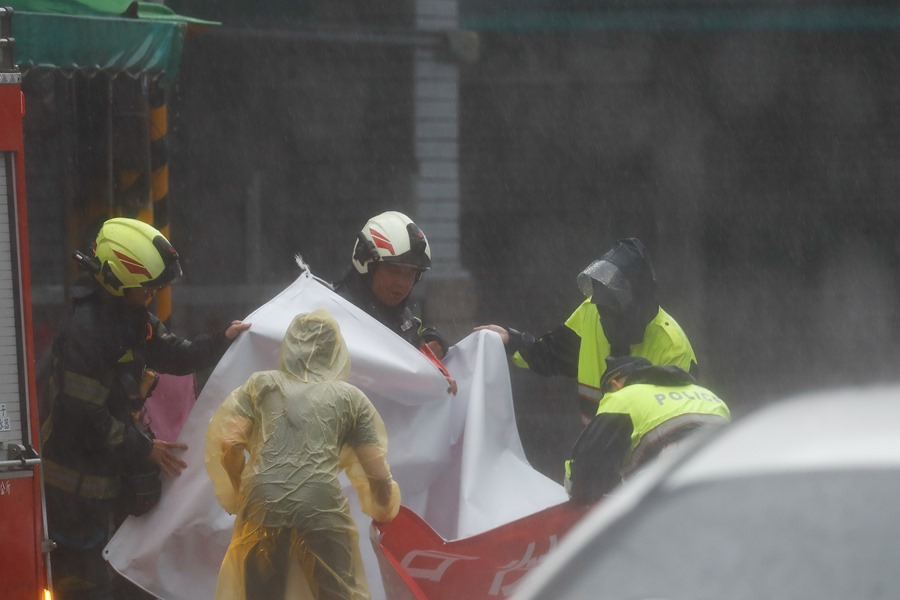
(273, 452)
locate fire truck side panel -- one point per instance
(20, 576)
(23, 566)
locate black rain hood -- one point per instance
(622, 284)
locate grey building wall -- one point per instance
(303, 137)
(759, 168)
(447, 290)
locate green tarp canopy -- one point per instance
(112, 36)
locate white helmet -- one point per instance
(391, 237)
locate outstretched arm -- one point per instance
(554, 353)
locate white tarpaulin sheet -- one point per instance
(458, 459)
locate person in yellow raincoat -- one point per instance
(274, 450)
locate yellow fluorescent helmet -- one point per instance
(133, 254)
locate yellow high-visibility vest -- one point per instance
(651, 406)
(664, 344)
(659, 415)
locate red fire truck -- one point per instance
(23, 542)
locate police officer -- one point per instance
(621, 316)
(98, 465)
(644, 410)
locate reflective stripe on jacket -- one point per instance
(71, 481)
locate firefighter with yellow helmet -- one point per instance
(98, 464)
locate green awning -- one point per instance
(112, 36)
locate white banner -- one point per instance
(458, 459)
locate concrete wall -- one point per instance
(760, 169)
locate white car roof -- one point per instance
(834, 429)
(837, 429)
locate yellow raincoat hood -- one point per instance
(313, 349)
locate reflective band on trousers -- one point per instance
(667, 432)
(73, 482)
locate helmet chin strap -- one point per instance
(109, 279)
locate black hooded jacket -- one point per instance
(557, 351)
(400, 319)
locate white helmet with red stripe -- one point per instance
(391, 237)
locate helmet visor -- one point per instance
(606, 284)
(417, 256)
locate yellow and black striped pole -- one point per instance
(159, 180)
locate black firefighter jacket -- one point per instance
(89, 436)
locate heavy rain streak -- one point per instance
(751, 149)
(757, 163)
